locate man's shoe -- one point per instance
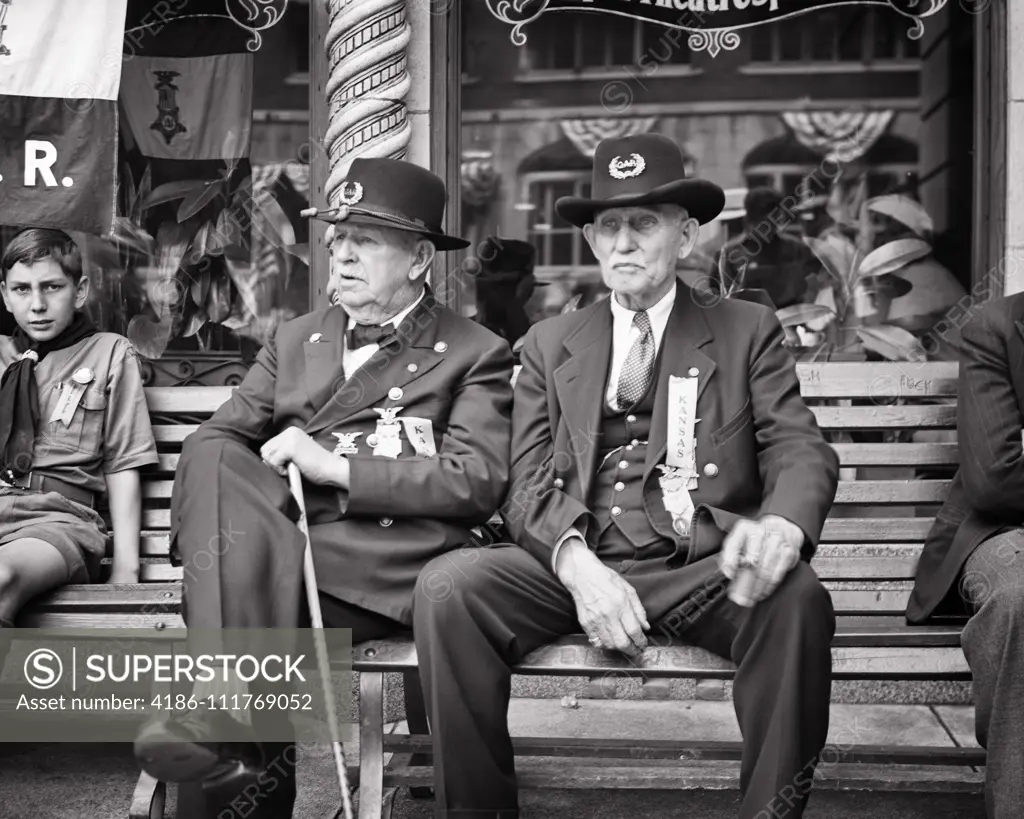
(181, 749)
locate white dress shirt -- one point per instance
(624, 334)
(352, 360)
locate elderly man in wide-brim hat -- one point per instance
(397, 412)
(667, 481)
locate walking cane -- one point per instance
(313, 598)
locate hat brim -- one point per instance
(442, 241)
(702, 199)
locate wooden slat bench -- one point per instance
(867, 557)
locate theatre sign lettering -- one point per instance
(713, 25)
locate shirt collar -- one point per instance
(396, 320)
(658, 313)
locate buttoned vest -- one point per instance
(617, 499)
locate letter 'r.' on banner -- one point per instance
(60, 73)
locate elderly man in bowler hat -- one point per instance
(396, 411)
(667, 480)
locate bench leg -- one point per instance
(416, 716)
(371, 745)
(148, 799)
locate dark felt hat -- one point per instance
(499, 256)
(645, 169)
(396, 194)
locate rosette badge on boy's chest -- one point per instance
(71, 392)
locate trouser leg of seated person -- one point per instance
(476, 612)
(271, 795)
(242, 556)
(993, 643)
(782, 688)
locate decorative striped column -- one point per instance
(368, 84)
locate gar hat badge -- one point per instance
(4, 5)
(625, 168)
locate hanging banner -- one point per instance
(60, 72)
(713, 25)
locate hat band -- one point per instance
(388, 215)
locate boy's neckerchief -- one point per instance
(19, 399)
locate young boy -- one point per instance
(73, 425)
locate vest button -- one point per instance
(616, 511)
(619, 486)
(385, 521)
(630, 419)
(710, 470)
(623, 464)
(559, 483)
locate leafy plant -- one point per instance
(857, 282)
(198, 271)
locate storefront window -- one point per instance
(867, 128)
(209, 253)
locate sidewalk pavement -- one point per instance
(74, 781)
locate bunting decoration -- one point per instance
(585, 134)
(842, 136)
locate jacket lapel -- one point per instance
(580, 384)
(324, 357)
(686, 332)
(387, 368)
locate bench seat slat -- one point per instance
(860, 492)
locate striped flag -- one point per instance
(60, 73)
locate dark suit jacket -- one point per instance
(370, 543)
(754, 426)
(987, 494)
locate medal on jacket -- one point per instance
(680, 450)
(676, 498)
(420, 432)
(346, 443)
(388, 440)
(71, 393)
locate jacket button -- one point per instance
(616, 511)
(630, 419)
(559, 483)
(619, 486)
(386, 521)
(710, 470)
(623, 464)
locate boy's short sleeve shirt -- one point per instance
(110, 429)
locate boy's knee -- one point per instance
(8, 580)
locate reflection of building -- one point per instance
(767, 113)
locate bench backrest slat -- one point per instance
(887, 496)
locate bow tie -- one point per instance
(359, 335)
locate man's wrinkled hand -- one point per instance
(769, 548)
(316, 464)
(607, 606)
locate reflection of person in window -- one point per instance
(766, 256)
(504, 286)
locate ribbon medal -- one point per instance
(387, 439)
(682, 410)
(71, 393)
(676, 496)
(420, 433)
